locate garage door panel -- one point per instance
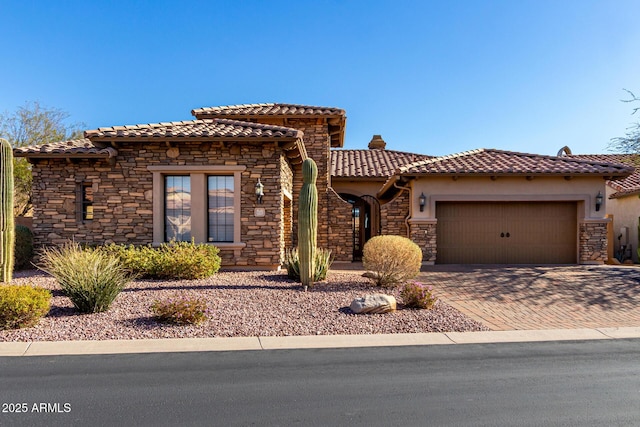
(509, 232)
(468, 234)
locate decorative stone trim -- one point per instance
(423, 234)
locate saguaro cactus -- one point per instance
(308, 222)
(7, 227)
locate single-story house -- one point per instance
(231, 177)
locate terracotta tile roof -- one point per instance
(336, 117)
(498, 162)
(492, 162)
(627, 186)
(370, 163)
(84, 148)
(199, 129)
(268, 109)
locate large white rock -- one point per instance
(375, 304)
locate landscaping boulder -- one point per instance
(374, 304)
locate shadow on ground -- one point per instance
(608, 287)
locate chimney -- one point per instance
(377, 143)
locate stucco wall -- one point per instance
(357, 188)
(509, 189)
(625, 211)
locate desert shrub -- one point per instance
(418, 295)
(323, 260)
(391, 260)
(90, 278)
(138, 260)
(180, 311)
(174, 260)
(23, 247)
(22, 306)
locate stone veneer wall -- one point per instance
(340, 228)
(424, 235)
(286, 225)
(123, 196)
(394, 214)
(122, 201)
(318, 143)
(593, 242)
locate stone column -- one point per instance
(593, 242)
(423, 234)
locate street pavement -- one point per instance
(562, 383)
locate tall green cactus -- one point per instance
(308, 222)
(7, 227)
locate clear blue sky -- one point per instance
(433, 77)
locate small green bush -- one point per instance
(23, 247)
(391, 260)
(418, 295)
(323, 260)
(90, 278)
(22, 306)
(174, 260)
(139, 260)
(180, 311)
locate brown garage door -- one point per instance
(506, 233)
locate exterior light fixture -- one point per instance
(598, 201)
(422, 200)
(259, 191)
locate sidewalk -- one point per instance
(55, 348)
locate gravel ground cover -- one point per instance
(242, 304)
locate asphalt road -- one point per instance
(563, 383)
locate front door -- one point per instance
(366, 221)
(361, 227)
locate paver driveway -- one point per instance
(540, 297)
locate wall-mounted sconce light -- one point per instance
(422, 200)
(598, 201)
(259, 191)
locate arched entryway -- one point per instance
(365, 216)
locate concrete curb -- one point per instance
(58, 348)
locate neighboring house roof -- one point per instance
(371, 163)
(82, 148)
(492, 162)
(336, 117)
(627, 186)
(198, 129)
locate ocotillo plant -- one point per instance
(308, 222)
(7, 228)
